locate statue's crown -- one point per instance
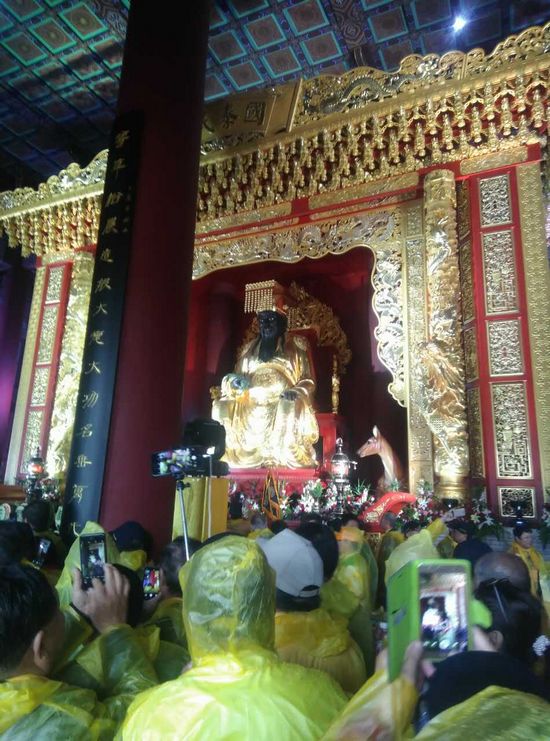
(266, 295)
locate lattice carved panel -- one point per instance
(511, 497)
(47, 334)
(40, 385)
(505, 354)
(500, 272)
(55, 281)
(32, 435)
(494, 201)
(511, 431)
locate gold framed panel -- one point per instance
(511, 430)
(499, 272)
(510, 496)
(537, 289)
(505, 347)
(495, 201)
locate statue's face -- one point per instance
(269, 323)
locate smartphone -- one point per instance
(432, 601)
(44, 546)
(151, 582)
(93, 557)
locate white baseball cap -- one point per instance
(297, 565)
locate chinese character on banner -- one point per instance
(100, 309)
(90, 400)
(81, 461)
(94, 405)
(92, 367)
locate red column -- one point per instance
(163, 76)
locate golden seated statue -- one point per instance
(266, 404)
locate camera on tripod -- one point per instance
(202, 447)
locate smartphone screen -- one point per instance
(44, 546)
(92, 557)
(443, 610)
(151, 582)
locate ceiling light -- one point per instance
(459, 23)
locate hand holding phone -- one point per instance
(105, 604)
(431, 601)
(93, 557)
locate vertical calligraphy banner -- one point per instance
(99, 365)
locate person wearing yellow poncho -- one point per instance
(350, 520)
(348, 593)
(31, 703)
(237, 687)
(132, 559)
(383, 710)
(306, 633)
(390, 539)
(421, 545)
(533, 559)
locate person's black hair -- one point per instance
(39, 515)
(27, 604)
(135, 596)
(131, 536)
(173, 557)
(16, 542)
(324, 541)
(277, 526)
(516, 614)
(519, 530)
(287, 603)
(410, 526)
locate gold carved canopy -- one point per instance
(329, 139)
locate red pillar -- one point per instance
(163, 76)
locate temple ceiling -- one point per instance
(60, 60)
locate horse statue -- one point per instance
(393, 470)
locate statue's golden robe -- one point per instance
(262, 428)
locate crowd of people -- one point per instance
(265, 631)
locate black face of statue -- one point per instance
(271, 324)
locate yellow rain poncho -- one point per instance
(368, 555)
(237, 687)
(33, 707)
(117, 665)
(420, 546)
(322, 641)
(494, 714)
(347, 594)
(381, 710)
(388, 543)
(168, 618)
(534, 561)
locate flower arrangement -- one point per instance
(478, 512)
(318, 496)
(426, 508)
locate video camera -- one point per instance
(202, 447)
